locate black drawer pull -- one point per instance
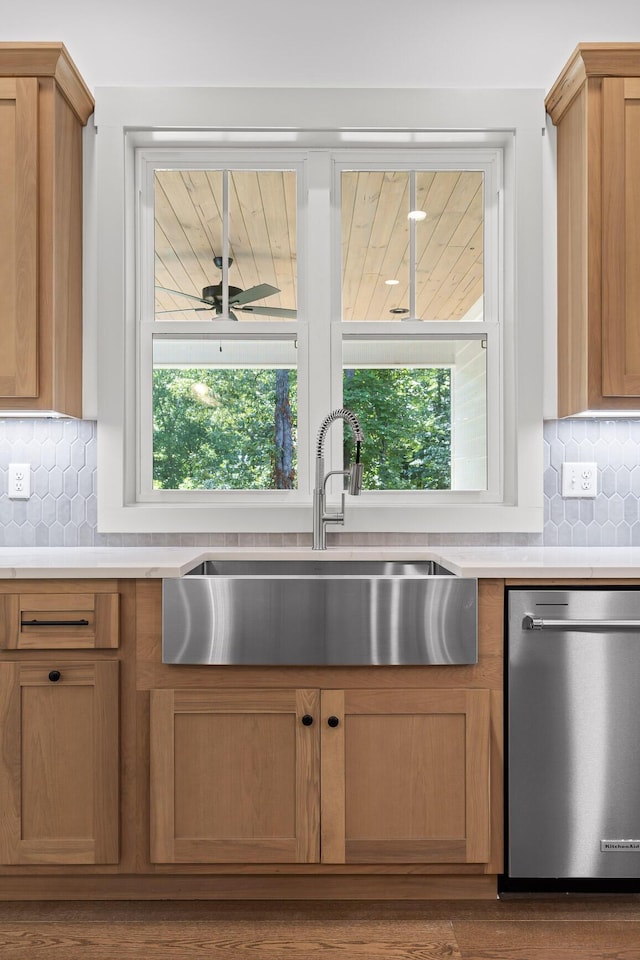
(333, 721)
(54, 676)
(307, 719)
(54, 623)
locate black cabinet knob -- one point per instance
(307, 720)
(333, 721)
(54, 676)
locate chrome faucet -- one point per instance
(320, 517)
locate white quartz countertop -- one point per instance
(156, 562)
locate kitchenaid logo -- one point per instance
(619, 845)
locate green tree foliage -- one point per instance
(406, 418)
(216, 429)
(235, 429)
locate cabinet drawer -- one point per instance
(50, 621)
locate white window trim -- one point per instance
(124, 118)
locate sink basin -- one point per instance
(319, 568)
(319, 612)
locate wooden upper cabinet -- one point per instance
(621, 236)
(405, 776)
(43, 106)
(18, 237)
(595, 105)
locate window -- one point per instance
(269, 278)
(420, 235)
(422, 406)
(246, 212)
(223, 413)
(224, 416)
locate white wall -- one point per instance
(458, 43)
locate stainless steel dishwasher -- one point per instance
(573, 732)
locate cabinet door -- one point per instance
(18, 236)
(405, 776)
(59, 763)
(621, 237)
(234, 776)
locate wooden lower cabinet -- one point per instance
(331, 776)
(124, 777)
(59, 762)
(234, 776)
(405, 776)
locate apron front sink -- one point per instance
(320, 612)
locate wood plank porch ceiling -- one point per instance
(375, 240)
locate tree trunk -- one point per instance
(283, 468)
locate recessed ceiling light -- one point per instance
(392, 283)
(417, 215)
(399, 310)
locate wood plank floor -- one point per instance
(542, 929)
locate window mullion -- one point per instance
(318, 290)
(412, 245)
(225, 243)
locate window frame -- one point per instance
(130, 118)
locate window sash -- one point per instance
(415, 330)
(487, 161)
(224, 331)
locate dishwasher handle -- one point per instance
(538, 623)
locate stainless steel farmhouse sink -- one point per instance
(319, 612)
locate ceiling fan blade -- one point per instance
(254, 293)
(270, 312)
(187, 310)
(181, 294)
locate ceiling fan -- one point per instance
(239, 299)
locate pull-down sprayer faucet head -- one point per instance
(320, 518)
(355, 479)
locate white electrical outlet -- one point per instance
(579, 479)
(19, 485)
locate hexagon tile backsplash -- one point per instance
(62, 510)
(611, 518)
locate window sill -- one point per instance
(297, 518)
